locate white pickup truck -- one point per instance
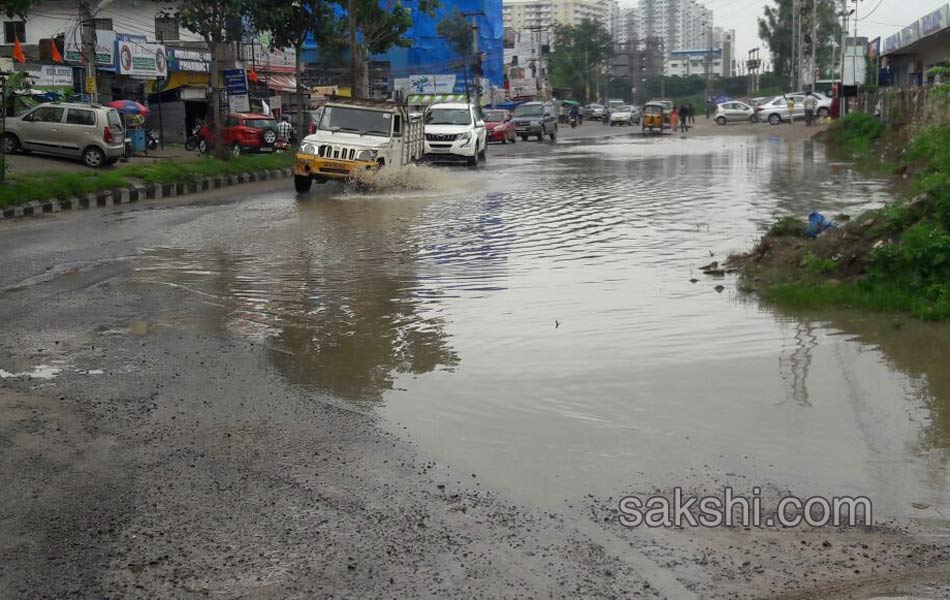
(358, 135)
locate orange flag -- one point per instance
(253, 76)
(57, 57)
(18, 51)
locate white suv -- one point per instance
(455, 132)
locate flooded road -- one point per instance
(534, 323)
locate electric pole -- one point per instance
(793, 61)
(813, 64)
(89, 49)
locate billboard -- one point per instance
(141, 59)
(105, 48)
(874, 48)
(910, 34)
(934, 21)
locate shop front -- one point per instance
(181, 96)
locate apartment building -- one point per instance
(528, 15)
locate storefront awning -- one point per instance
(280, 83)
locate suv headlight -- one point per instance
(308, 149)
(366, 155)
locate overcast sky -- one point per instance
(742, 15)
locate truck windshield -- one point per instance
(529, 110)
(449, 116)
(356, 120)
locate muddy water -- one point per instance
(534, 323)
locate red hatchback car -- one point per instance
(242, 132)
(499, 125)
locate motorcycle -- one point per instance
(152, 140)
(191, 142)
(573, 121)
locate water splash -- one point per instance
(414, 178)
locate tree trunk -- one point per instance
(302, 107)
(216, 118)
(356, 75)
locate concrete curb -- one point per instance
(138, 193)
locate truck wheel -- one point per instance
(302, 184)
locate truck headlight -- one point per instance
(366, 155)
(535, 123)
(308, 149)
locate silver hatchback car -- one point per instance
(90, 132)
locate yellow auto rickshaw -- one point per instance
(654, 117)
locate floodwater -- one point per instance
(534, 323)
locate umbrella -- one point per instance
(129, 107)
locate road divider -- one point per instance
(55, 192)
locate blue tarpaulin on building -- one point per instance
(429, 53)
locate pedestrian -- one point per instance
(606, 116)
(285, 130)
(811, 103)
(708, 106)
(692, 113)
(684, 118)
(674, 119)
(791, 110)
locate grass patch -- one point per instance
(857, 133)
(863, 296)
(787, 226)
(47, 186)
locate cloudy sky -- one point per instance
(888, 17)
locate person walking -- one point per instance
(691, 112)
(285, 130)
(708, 107)
(684, 118)
(811, 103)
(791, 110)
(674, 119)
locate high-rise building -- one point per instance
(528, 15)
(681, 24)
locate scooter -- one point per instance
(191, 142)
(151, 140)
(573, 121)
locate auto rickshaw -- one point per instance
(654, 117)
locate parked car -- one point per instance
(242, 132)
(499, 126)
(594, 111)
(455, 132)
(728, 112)
(625, 114)
(535, 119)
(776, 110)
(89, 132)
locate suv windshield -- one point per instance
(529, 110)
(356, 120)
(449, 116)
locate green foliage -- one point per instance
(877, 297)
(457, 32)
(65, 185)
(857, 132)
(787, 226)
(775, 29)
(580, 55)
(16, 9)
(819, 266)
(374, 27)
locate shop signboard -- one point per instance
(235, 84)
(50, 76)
(141, 59)
(934, 21)
(105, 48)
(188, 61)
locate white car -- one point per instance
(776, 110)
(454, 132)
(729, 112)
(625, 115)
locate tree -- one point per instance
(16, 8)
(775, 29)
(218, 23)
(291, 23)
(458, 36)
(375, 26)
(580, 56)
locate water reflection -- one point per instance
(646, 376)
